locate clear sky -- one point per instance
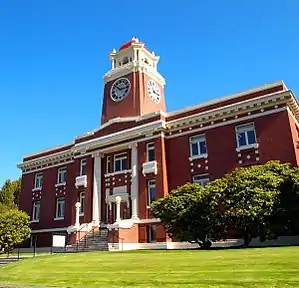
(53, 54)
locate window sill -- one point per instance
(118, 172)
(81, 214)
(245, 147)
(60, 184)
(36, 189)
(199, 156)
(34, 221)
(59, 218)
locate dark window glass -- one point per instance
(242, 139)
(251, 137)
(203, 147)
(194, 149)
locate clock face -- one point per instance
(153, 91)
(120, 89)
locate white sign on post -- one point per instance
(58, 241)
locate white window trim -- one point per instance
(33, 212)
(81, 166)
(56, 212)
(58, 173)
(149, 146)
(150, 184)
(248, 146)
(203, 179)
(35, 182)
(118, 172)
(80, 198)
(203, 155)
(108, 164)
(125, 156)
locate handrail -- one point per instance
(86, 235)
(119, 238)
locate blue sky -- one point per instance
(53, 54)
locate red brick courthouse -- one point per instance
(140, 152)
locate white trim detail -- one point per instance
(118, 172)
(96, 199)
(121, 135)
(228, 122)
(231, 96)
(47, 167)
(232, 109)
(134, 183)
(49, 230)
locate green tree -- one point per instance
(286, 215)
(247, 199)
(10, 192)
(187, 215)
(14, 228)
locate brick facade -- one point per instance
(132, 125)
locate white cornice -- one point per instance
(229, 122)
(47, 160)
(229, 97)
(133, 67)
(232, 109)
(122, 120)
(120, 136)
(49, 150)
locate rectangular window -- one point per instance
(36, 211)
(82, 202)
(120, 162)
(39, 177)
(151, 188)
(151, 233)
(245, 135)
(61, 179)
(108, 165)
(83, 167)
(198, 146)
(203, 179)
(60, 205)
(150, 152)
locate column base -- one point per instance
(95, 222)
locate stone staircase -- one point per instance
(95, 240)
(8, 260)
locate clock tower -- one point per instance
(133, 86)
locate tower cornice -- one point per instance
(133, 67)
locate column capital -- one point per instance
(97, 154)
(133, 145)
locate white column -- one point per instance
(96, 200)
(118, 201)
(77, 205)
(134, 183)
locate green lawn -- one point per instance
(264, 267)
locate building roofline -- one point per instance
(47, 150)
(137, 119)
(228, 97)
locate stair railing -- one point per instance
(118, 237)
(84, 238)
